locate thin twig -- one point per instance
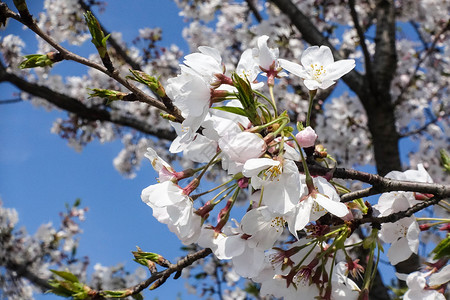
(394, 217)
(68, 55)
(10, 101)
(254, 10)
(424, 127)
(362, 41)
(430, 50)
(160, 277)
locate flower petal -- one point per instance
(338, 69)
(399, 251)
(338, 209)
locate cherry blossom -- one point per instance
(173, 207)
(318, 69)
(316, 204)
(416, 282)
(279, 181)
(241, 147)
(343, 287)
(403, 234)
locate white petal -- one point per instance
(250, 263)
(338, 209)
(399, 251)
(441, 277)
(293, 68)
(311, 84)
(326, 84)
(413, 236)
(301, 217)
(253, 166)
(265, 56)
(316, 55)
(231, 246)
(210, 51)
(338, 69)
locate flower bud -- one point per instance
(306, 138)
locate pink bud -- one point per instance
(306, 138)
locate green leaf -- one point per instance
(151, 81)
(442, 249)
(36, 60)
(105, 39)
(445, 160)
(247, 98)
(66, 275)
(58, 289)
(137, 297)
(98, 37)
(110, 95)
(77, 202)
(234, 110)
(116, 294)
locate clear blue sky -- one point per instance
(39, 172)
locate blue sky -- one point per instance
(39, 172)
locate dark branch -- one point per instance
(394, 217)
(385, 57)
(254, 10)
(160, 277)
(412, 77)
(379, 184)
(362, 41)
(22, 270)
(10, 101)
(424, 127)
(68, 55)
(74, 106)
(112, 42)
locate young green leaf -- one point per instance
(98, 37)
(36, 60)
(445, 160)
(65, 275)
(234, 110)
(442, 249)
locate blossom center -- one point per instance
(318, 72)
(277, 223)
(273, 172)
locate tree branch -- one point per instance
(160, 277)
(10, 101)
(429, 50)
(424, 127)
(22, 270)
(362, 41)
(254, 10)
(68, 55)
(112, 42)
(379, 184)
(74, 106)
(394, 217)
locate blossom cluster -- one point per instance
(257, 150)
(230, 123)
